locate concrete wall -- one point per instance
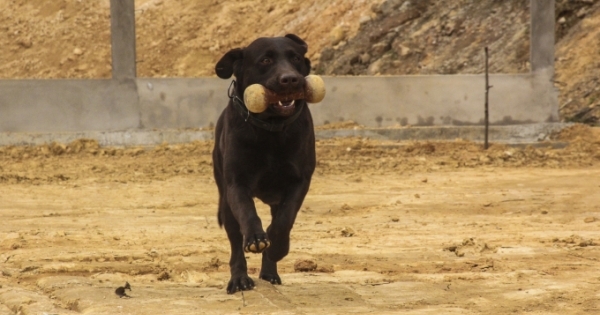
(68, 105)
(77, 105)
(129, 103)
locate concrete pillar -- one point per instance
(122, 33)
(542, 35)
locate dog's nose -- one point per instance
(289, 80)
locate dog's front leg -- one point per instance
(245, 233)
(244, 212)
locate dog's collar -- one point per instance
(251, 118)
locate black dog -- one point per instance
(269, 155)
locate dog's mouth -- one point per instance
(286, 105)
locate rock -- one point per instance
(562, 20)
(364, 19)
(379, 48)
(541, 137)
(403, 50)
(305, 265)
(325, 269)
(589, 219)
(345, 207)
(364, 58)
(337, 35)
(25, 43)
(347, 232)
(375, 67)
(163, 276)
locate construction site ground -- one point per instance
(387, 227)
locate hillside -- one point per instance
(176, 38)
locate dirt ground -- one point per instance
(393, 227)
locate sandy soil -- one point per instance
(416, 228)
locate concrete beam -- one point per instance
(517, 134)
(542, 35)
(122, 30)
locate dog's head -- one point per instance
(277, 63)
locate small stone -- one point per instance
(337, 35)
(325, 269)
(375, 67)
(589, 219)
(305, 265)
(562, 20)
(380, 48)
(347, 232)
(404, 51)
(364, 19)
(541, 137)
(163, 276)
(77, 51)
(364, 58)
(25, 43)
(395, 219)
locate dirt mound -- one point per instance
(578, 132)
(71, 39)
(55, 39)
(427, 37)
(187, 38)
(578, 69)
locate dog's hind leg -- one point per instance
(268, 270)
(284, 216)
(237, 263)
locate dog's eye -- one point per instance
(296, 59)
(266, 61)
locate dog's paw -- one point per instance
(243, 283)
(257, 243)
(272, 278)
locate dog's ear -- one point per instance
(226, 66)
(298, 41)
(302, 43)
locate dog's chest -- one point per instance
(277, 171)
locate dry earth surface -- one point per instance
(387, 227)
